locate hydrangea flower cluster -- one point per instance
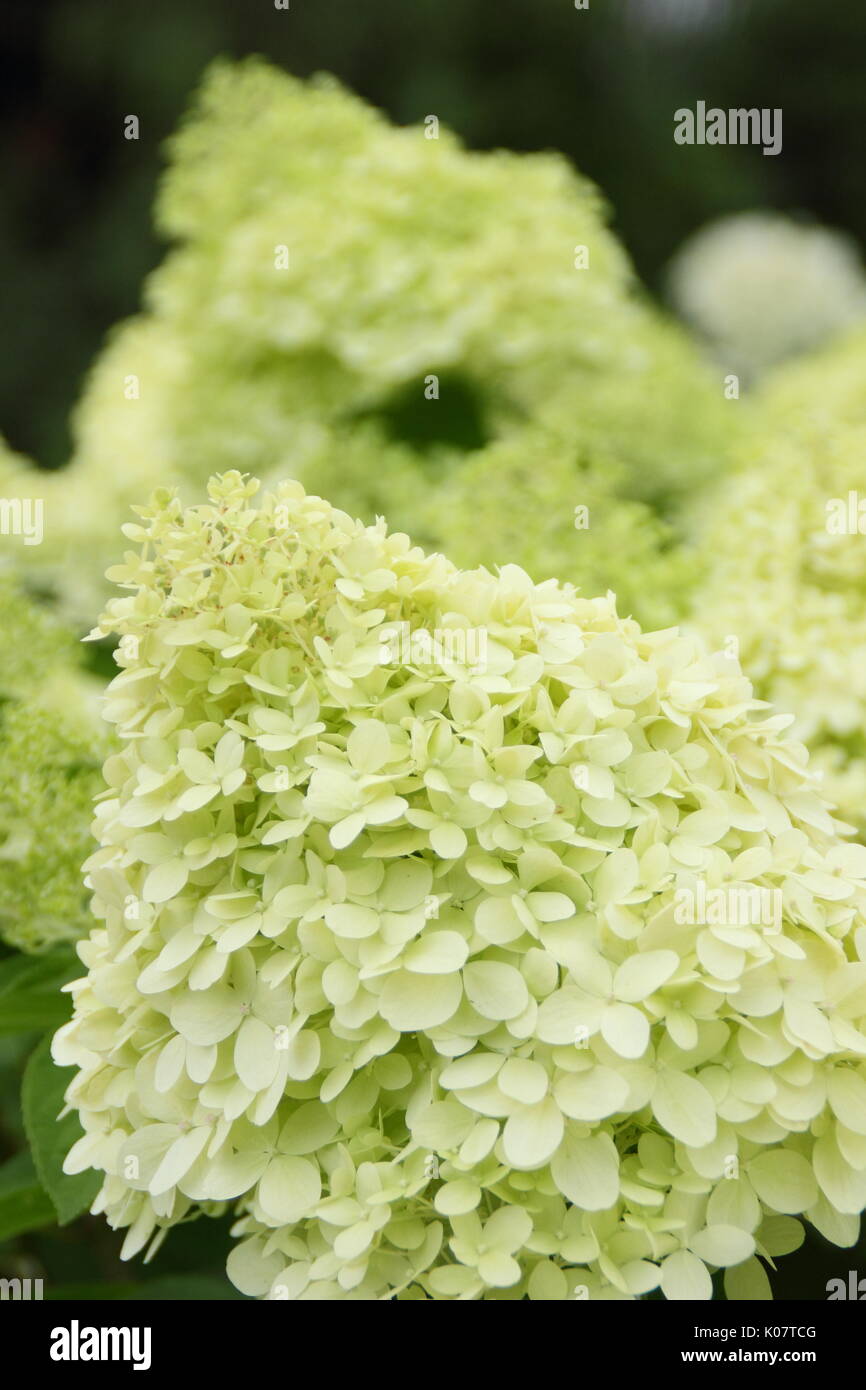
(541, 495)
(761, 287)
(391, 953)
(51, 749)
(787, 562)
(366, 308)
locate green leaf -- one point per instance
(30, 997)
(20, 971)
(50, 1140)
(33, 1012)
(23, 1204)
(172, 1287)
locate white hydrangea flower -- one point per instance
(350, 303)
(391, 956)
(761, 287)
(786, 563)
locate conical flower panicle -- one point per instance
(471, 942)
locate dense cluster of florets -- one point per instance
(395, 950)
(785, 543)
(368, 309)
(51, 750)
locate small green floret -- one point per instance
(51, 749)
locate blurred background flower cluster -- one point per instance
(547, 335)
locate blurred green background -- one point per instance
(600, 84)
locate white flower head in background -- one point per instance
(786, 559)
(380, 354)
(761, 287)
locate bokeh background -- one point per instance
(77, 240)
(76, 236)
